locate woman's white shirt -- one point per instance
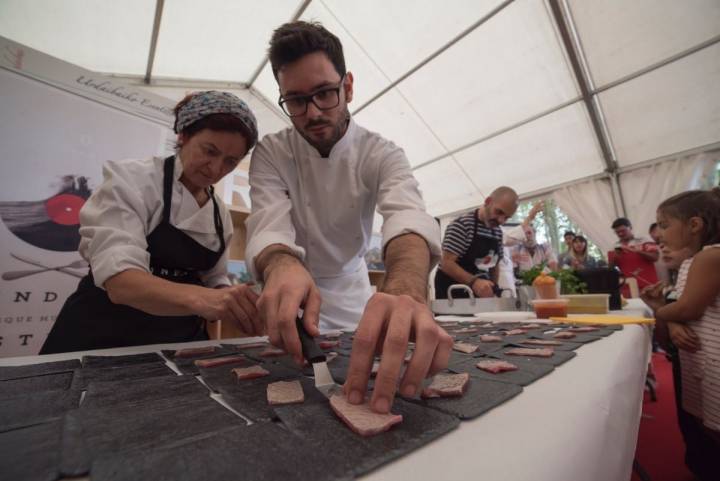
(126, 208)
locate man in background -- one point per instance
(634, 256)
(473, 246)
(568, 238)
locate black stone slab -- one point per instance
(85, 376)
(25, 385)
(89, 434)
(564, 345)
(36, 408)
(481, 395)
(578, 339)
(139, 391)
(355, 455)
(526, 373)
(29, 370)
(251, 400)
(603, 331)
(124, 360)
(558, 357)
(223, 377)
(259, 452)
(170, 353)
(31, 454)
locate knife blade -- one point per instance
(324, 381)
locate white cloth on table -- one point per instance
(126, 208)
(322, 208)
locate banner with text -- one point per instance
(59, 124)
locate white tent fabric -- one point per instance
(478, 92)
(589, 204)
(646, 187)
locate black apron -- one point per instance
(479, 248)
(90, 320)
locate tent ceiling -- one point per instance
(477, 92)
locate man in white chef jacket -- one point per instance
(314, 189)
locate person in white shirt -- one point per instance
(314, 189)
(155, 237)
(529, 253)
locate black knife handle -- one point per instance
(310, 349)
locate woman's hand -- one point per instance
(234, 304)
(653, 296)
(683, 337)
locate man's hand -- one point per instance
(683, 337)
(482, 288)
(653, 296)
(288, 287)
(234, 304)
(387, 325)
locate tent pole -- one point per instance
(573, 48)
(618, 199)
(296, 16)
(436, 53)
(153, 40)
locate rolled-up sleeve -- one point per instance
(113, 225)
(270, 221)
(401, 205)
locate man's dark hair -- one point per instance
(568, 232)
(653, 226)
(294, 40)
(621, 222)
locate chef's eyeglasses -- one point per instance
(324, 99)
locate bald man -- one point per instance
(473, 246)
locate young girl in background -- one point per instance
(691, 220)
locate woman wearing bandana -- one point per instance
(155, 236)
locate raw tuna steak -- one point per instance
(465, 347)
(496, 367)
(252, 372)
(490, 338)
(522, 351)
(447, 385)
(219, 361)
(195, 351)
(360, 418)
(285, 392)
(516, 332)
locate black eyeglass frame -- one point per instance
(310, 98)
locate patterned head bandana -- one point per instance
(211, 102)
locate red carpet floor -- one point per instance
(660, 448)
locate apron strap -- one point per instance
(218, 220)
(168, 169)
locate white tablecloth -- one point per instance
(580, 423)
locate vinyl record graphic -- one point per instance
(52, 223)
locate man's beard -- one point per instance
(338, 130)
